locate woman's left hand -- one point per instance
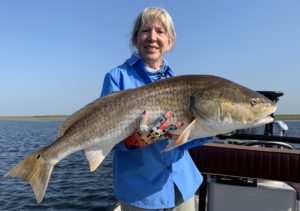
(150, 133)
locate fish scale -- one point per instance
(207, 105)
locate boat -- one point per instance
(248, 171)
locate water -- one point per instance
(71, 186)
(293, 129)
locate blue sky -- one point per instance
(55, 53)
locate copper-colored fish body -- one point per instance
(207, 105)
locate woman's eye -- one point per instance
(145, 30)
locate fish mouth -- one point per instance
(262, 121)
(265, 119)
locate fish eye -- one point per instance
(253, 101)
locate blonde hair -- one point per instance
(150, 15)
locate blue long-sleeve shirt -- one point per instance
(145, 177)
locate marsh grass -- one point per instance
(48, 117)
(287, 117)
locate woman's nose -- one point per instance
(152, 35)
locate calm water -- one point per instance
(72, 186)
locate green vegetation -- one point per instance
(287, 117)
(49, 117)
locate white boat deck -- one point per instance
(267, 196)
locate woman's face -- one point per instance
(152, 43)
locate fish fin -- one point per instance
(83, 112)
(183, 137)
(36, 171)
(78, 115)
(95, 157)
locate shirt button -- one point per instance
(169, 168)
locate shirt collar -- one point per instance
(135, 58)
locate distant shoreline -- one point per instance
(63, 117)
(287, 117)
(48, 117)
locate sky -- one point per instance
(54, 53)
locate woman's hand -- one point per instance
(150, 133)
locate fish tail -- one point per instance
(36, 171)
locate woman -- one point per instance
(144, 177)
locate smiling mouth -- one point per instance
(151, 47)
